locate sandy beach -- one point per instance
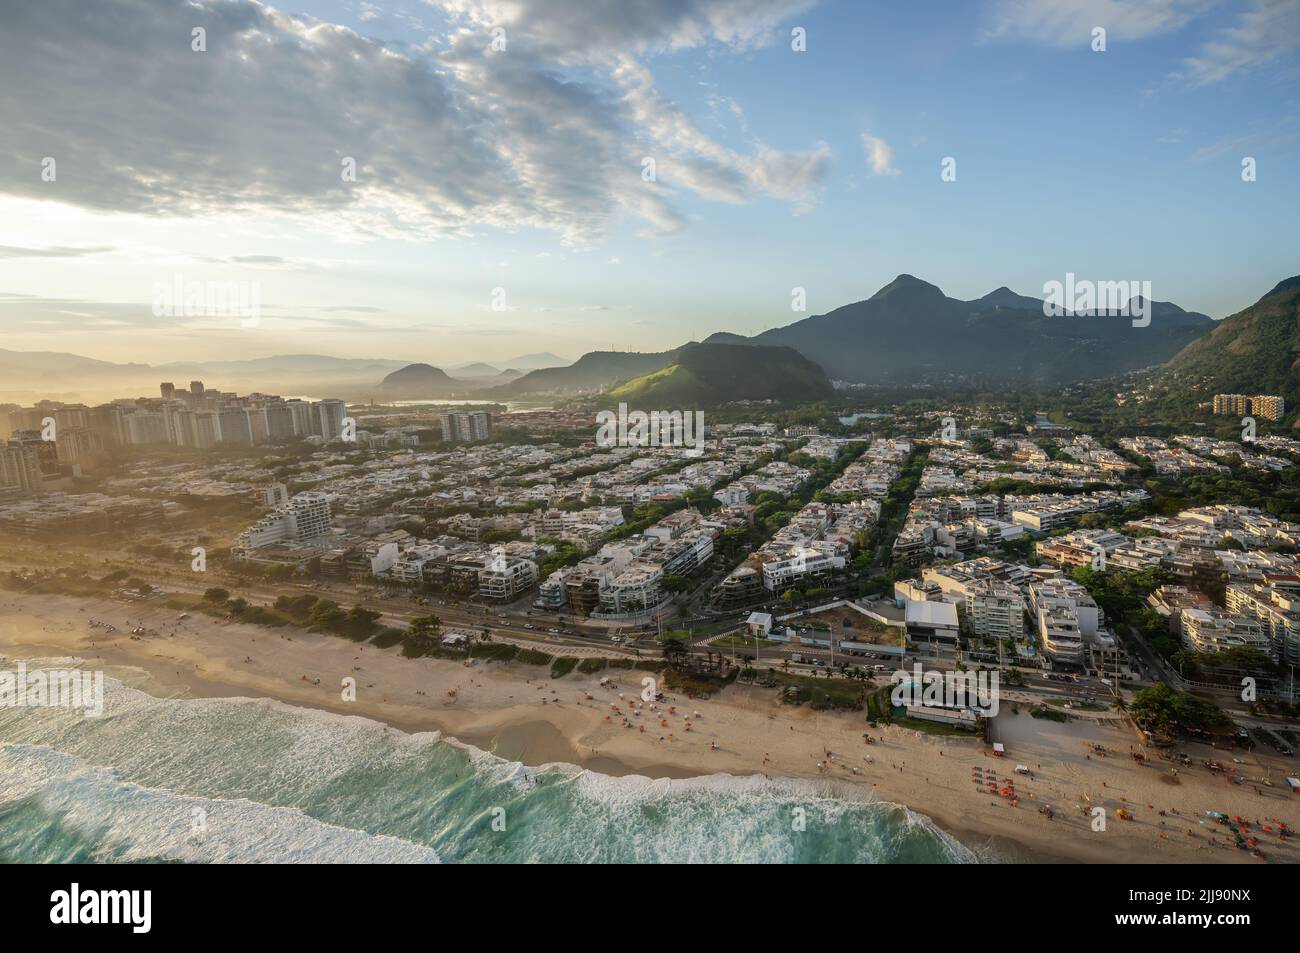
(520, 713)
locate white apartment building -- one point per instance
(636, 588)
(733, 494)
(1066, 619)
(410, 565)
(466, 427)
(506, 577)
(796, 563)
(329, 418)
(551, 592)
(305, 517)
(995, 611)
(1212, 630)
(1277, 609)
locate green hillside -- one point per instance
(593, 371)
(1255, 351)
(710, 374)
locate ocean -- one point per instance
(254, 780)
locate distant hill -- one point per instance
(1255, 351)
(708, 374)
(280, 364)
(56, 362)
(910, 330)
(595, 371)
(33, 375)
(533, 362)
(726, 337)
(417, 382)
(477, 369)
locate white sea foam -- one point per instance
(137, 823)
(167, 757)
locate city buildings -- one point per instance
(1069, 626)
(70, 515)
(1268, 406)
(197, 418)
(469, 427)
(304, 518)
(1275, 605)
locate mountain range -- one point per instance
(911, 331)
(908, 331)
(32, 375)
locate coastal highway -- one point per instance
(393, 611)
(400, 610)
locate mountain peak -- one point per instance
(906, 284)
(416, 381)
(1004, 297)
(1284, 285)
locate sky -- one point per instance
(573, 175)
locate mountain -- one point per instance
(35, 375)
(418, 382)
(56, 362)
(533, 362)
(910, 330)
(1004, 297)
(708, 374)
(280, 364)
(726, 337)
(477, 369)
(1286, 284)
(1255, 351)
(595, 371)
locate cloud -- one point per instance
(1267, 32)
(54, 251)
(879, 155)
(19, 312)
(568, 31)
(449, 138)
(1256, 136)
(685, 156)
(1070, 22)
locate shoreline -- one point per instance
(519, 713)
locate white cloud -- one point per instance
(53, 251)
(586, 30)
(1267, 32)
(685, 156)
(449, 139)
(1070, 22)
(879, 155)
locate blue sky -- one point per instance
(519, 169)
